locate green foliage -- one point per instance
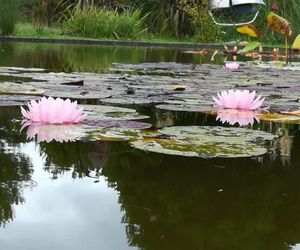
(8, 17)
(163, 17)
(205, 30)
(250, 47)
(93, 22)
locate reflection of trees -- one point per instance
(15, 169)
(48, 56)
(180, 203)
(66, 57)
(9, 127)
(79, 157)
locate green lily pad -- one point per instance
(207, 142)
(116, 134)
(114, 130)
(20, 70)
(295, 66)
(102, 112)
(9, 88)
(280, 118)
(74, 92)
(185, 107)
(124, 100)
(191, 101)
(16, 100)
(107, 124)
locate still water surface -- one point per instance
(95, 58)
(100, 195)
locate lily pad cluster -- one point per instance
(190, 90)
(167, 86)
(194, 141)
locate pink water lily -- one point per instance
(53, 111)
(238, 99)
(232, 66)
(234, 116)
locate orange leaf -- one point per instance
(249, 30)
(279, 24)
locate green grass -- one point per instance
(28, 30)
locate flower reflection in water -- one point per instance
(50, 132)
(234, 116)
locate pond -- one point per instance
(106, 194)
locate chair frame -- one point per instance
(233, 24)
(228, 5)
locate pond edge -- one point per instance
(109, 42)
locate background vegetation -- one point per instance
(186, 20)
(8, 17)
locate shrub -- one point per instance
(100, 23)
(204, 28)
(8, 17)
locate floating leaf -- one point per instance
(10, 88)
(296, 112)
(279, 24)
(102, 112)
(295, 66)
(119, 134)
(74, 92)
(207, 142)
(147, 99)
(107, 124)
(249, 30)
(280, 118)
(185, 107)
(113, 135)
(16, 100)
(249, 47)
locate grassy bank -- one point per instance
(29, 30)
(152, 21)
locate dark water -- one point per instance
(100, 195)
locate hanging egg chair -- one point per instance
(235, 12)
